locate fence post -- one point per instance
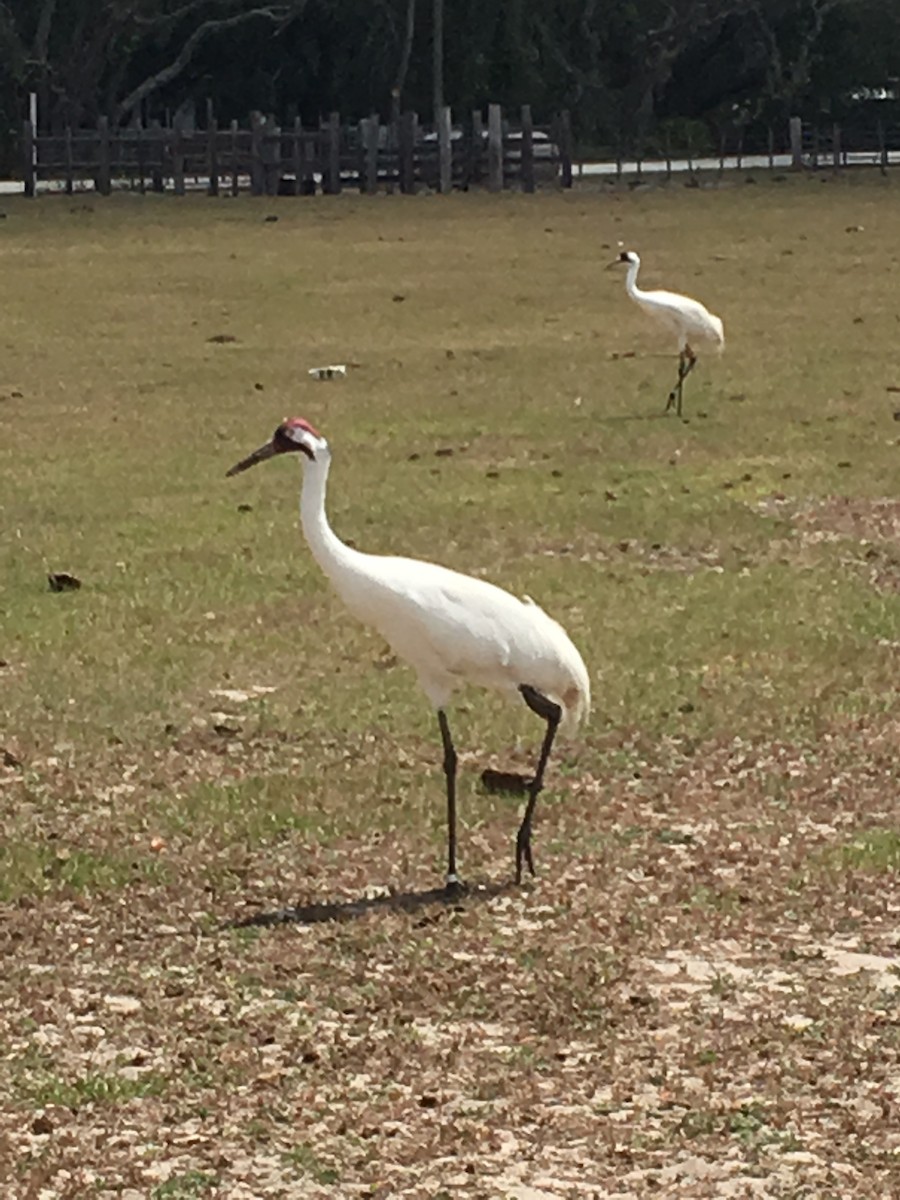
(28, 171)
(795, 129)
(371, 129)
(141, 150)
(362, 142)
(566, 149)
(103, 181)
(212, 149)
(157, 180)
(836, 146)
(445, 151)
(297, 154)
(235, 158)
(70, 164)
(177, 160)
(257, 171)
(495, 148)
(332, 181)
(477, 146)
(527, 149)
(689, 155)
(408, 122)
(882, 148)
(392, 161)
(270, 140)
(308, 158)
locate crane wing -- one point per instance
(683, 315)
(453, 628)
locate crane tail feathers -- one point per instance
(573, 685)
(576, 706)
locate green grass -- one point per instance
(699, 612)
(304, 1160)
(49, 1089)
(32, 867)
(874, 850)
(185, 1187)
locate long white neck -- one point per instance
(631, 286)
(327, 548)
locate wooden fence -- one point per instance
(664, 156)
(709, 152)
(836, 146)
(268, 159)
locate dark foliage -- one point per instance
(624, 68)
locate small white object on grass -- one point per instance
(334, 371)
(688, 319)
(239, 696)
(451, 628)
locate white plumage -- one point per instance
(451, 628)
(687, 319)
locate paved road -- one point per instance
(748, 162)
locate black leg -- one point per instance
(690, 359)
(552, 713)
(453, 881)
(673, 395)
(674, 400)
(686, 360)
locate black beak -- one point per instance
(258, 456)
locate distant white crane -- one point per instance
(688, 319)
(451, 628)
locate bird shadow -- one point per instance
(620, 418)
(321, 912)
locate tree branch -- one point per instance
(154, 82)
(42, 33)
(786, 81)
(161, 19)
(584, 80)
(403, 68)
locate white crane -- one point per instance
(451, 628)
(688, 319)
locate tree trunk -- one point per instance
(406, 53)
(438, 60)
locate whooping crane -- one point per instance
(451, 628)
(688, 319)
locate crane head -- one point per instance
(626, 256)
(293, 434)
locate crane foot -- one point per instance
(523, 851)
(455, 887)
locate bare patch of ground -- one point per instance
(867, 531)
(699, 997)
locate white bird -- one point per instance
(451, 628)
(688, 319)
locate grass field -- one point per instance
(699, 995)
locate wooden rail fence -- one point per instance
(268, 159)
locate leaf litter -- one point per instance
(710, 1014)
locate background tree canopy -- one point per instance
(620, 66)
